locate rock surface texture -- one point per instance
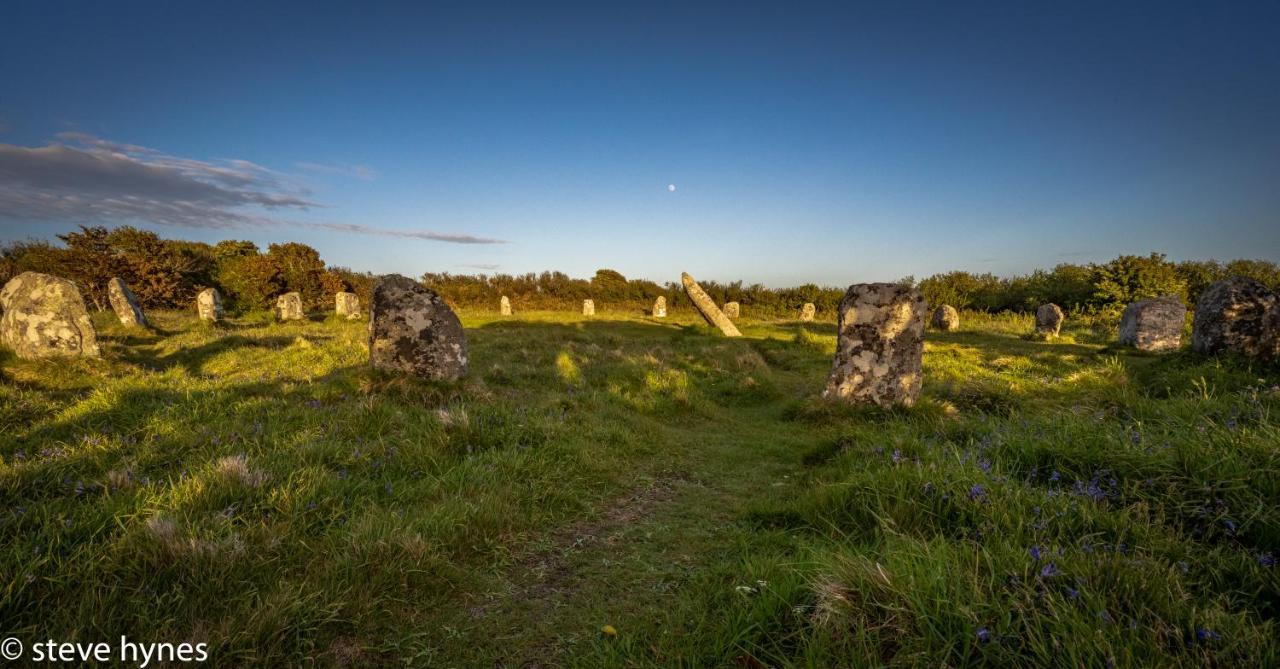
(347, 305)
(946, 318)
(289, 307)
(412, 330)
(125, 304)
(1153, 325)
(209, 305)
(879, 346)
(732, 310)
(1049, 319)
(660, 307)
(504, 306)
(707, 307)
(808, 311)
(588, 308)
(44, 317)
(1238, 315)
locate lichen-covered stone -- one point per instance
(879, 345)
(347, 305)
(412, 330)
(289, 307)
(707, 307)
(1153, 325)
(125, 304)
(946, 318)
(732, 310)
(1049, 319)
(45, 316)
(504, 306)
(1238, 315)
(808, 311)
(588, 308)
(209, 305)
(660, 307)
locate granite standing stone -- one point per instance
(732, 310)
(1238, 315)
(289, 307)
(44, 317)
(1049, 319)
(412, 330)
(808, 311)
(879, 346)
(504, 306)
(1153, 325)
(209, 305)
(125, 304)
(707, 307)
(660, 307)
(946, 318)
(588, 308)
(347, 305)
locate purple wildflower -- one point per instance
(984, 634)
(977, 492)
(1035, 553)
(1203, 635)
(1049, 571)
(1072, 593)
(1267, 559)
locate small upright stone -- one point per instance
(588, 308)
(347, 305)
(125, 304)
(289, 307)
(732, 310)
(412, 330)
(504, 306)
(946, 318)
(209, 305)
(44, 317)
(1238, 315)
(879, 345)
(707, 307)
(1153, 325)
(1049, 319)
(660, 307)
(808, 311)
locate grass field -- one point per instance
(255, 487)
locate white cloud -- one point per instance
(361, 172)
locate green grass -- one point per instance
(255, 487)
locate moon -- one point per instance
(671, 188)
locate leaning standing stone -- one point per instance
(1153, 325)
(504, 306)
(660, 307)
(289, 307)
(125, 304)
(1049, 320)
(946, 318)
(347, 305)
(209, 305)
(808, 311)
(732, 310)
(412, 330)
(879, 345)
(588, 308)
(1238, 315)
(707, 307)
(44, 316)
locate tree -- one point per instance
(300, 268)
(90, 262)
(1128, 279)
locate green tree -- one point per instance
(1128, 279)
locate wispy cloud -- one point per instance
(484, 266)
(85, 179)
(361, 172)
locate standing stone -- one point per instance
(660, 307)
(412, 330)
(879, 346)
(125, 304)
(732, 310)
(707, 307)
(1153, 325)
(44, 316)
(1049, 320)
(1238, 315)
(588, 308)
(209, 305)
(347, 305)
(808, 311)
(289, 307)
(946, 318)
(504, 306)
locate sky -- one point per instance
(779, 143)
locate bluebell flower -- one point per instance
(1230, 525)
(977, 491)
(1049, 571)
(1267, 559)
(1072, 593)
(984, 634)
(1055, 477)
(984, 465)
(1035, 553)
(1207, 635)
(1183, 566)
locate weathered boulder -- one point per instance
(209, 305)
(1049, 319)
(707, 307)
(1153, 325)
(732, 310)
(412, 330)
(125, 304)
(289, 307)
(879, 345)
(1238, 315)
(808, 311)
(504, 306)
(946, 318)
(588, 308)
(45, 316)
(660, 307)
(347, 305)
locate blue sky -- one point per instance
(807, 142)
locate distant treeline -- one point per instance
(167, 273)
